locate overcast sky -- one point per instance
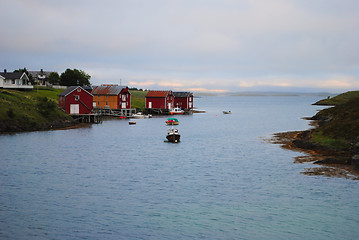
(207, 45)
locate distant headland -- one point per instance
(334, 140)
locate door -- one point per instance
(169, 105)
(123, 105)
(74, 109)
(149, 104)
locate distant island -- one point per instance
(334, 140)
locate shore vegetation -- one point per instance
(339, 99)
(31, 110)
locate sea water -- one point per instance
(222, 181)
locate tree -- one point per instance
(54, 78)
(74, 78)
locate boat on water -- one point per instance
(227, 112)
(141, 115)
(199, 111)
(132, 123)
(172, 121)
(173, 135)
(177, 111)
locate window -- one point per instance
(13, 81)
(79, 89)
(77, 97)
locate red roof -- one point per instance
(158, 93)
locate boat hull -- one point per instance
(173, 137)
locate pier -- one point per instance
(124, 113)
(87, 118)
(97, 115)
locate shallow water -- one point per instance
(222, 181)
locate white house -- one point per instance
(14, 80)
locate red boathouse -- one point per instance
(76, 100)
(160, 100)
(183, 100)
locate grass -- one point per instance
(29, 110)
(338, 126)
(337, 144)
(339, 99)
(138, 99)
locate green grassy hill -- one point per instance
(339, 99)
(338, 126)
(31, 110)
(138, 99)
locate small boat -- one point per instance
(177, 111)
(172, 121)
(199, 111)
(141, 115)
(227, 112)
(173, 135)
(132, 123)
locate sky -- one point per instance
(188, 45)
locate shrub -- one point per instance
(10, 113)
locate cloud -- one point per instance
(188, 44)
(142, 84)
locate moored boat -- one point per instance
(173, 135)
(141, 115)
(172, 121)
(227, 112)
(177, 111)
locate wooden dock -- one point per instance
(124, 113)
(87, 118)
(97, 114)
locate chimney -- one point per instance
(42, 71)
(4, 70)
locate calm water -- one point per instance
(222, 181)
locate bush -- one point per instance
(10, 113)
(45, 106)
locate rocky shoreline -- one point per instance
(55, 125)
(332, 163)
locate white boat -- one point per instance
(141, 115)
(177, 110)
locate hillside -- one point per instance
(338, 127)
(31, 110)
(339, 99)
(138, 99)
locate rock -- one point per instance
(333, 161)
(355, 162)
